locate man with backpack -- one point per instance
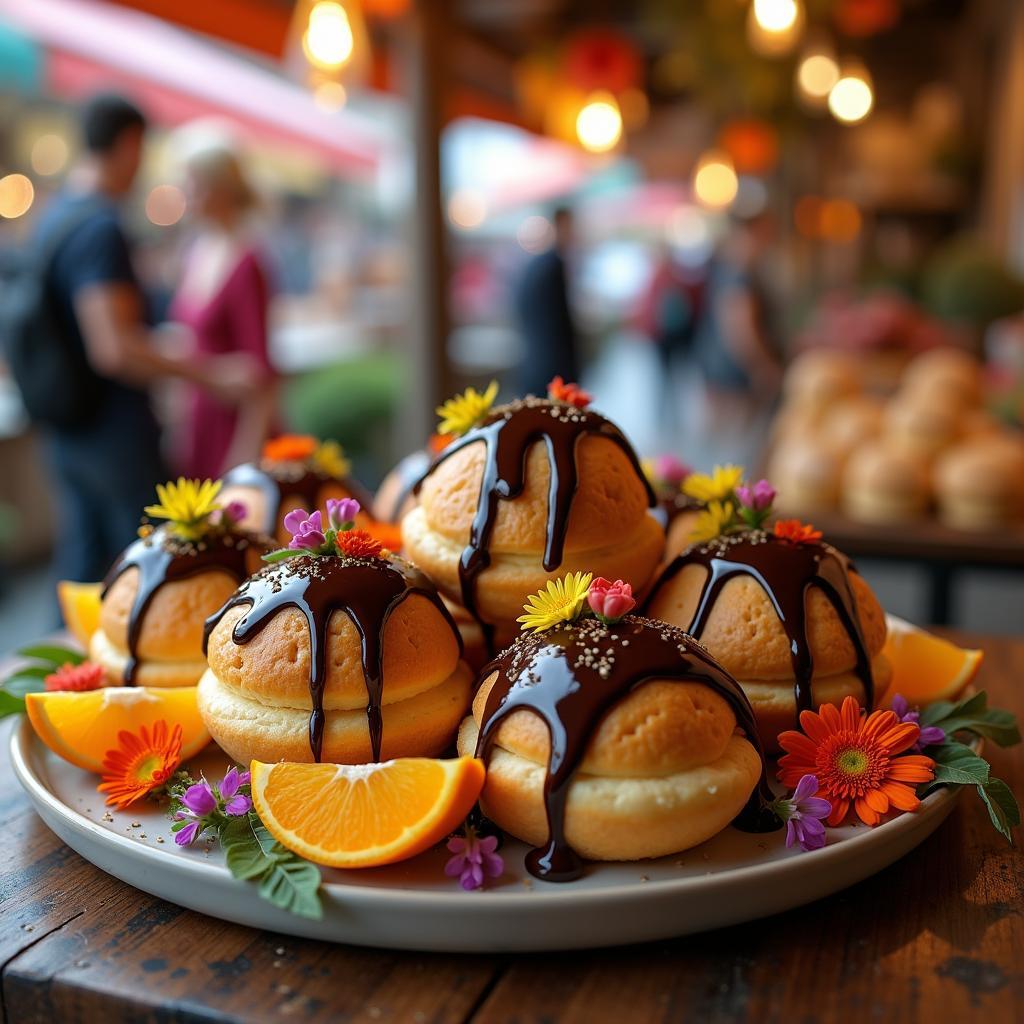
(76, 341)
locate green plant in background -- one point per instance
(8, 525)
(964, 283)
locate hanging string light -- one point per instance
(599, 123)
(774, 26)
(850, 100)
(714, 180)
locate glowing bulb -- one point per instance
(328, 40)
(714, 181)
(851, 98)
(467, 209)
(16, 195)
(165, 205)
(599, 123)
(49, 154)
(776, 15)
(330, 96)
(817, 75)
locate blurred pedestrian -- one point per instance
(544, 314)
(222, 299)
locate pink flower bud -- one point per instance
(610, 601)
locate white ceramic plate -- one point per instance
(732, 878)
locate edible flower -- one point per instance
(560, 601)
(187, 504)
(463, 412)
(855, 758)
(569, 393)
(666, 471)
(342, 512)
(140, 763)
(796, 532)
(438, 442)
(290, 448)
(233, 513)
(717, 487)
(755, 502)
(329, 457)
(803, 813)
(610, 601)
(200, 805)
(929, 736)
(85, 676)
(474, 859)
(713, 521)
(306, 528)
(358, 544)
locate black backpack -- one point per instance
(58, 386)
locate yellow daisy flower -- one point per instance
(560, 601)
(712, 521)
(465, 411)
(716, 487)
(330, 458)
(186, 504)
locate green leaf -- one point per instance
(34, 671)
(973, 715)
(10, 705)
(957, 765)
(1002, 807)
(282, 553)
(22, 683)
(52, 654)
(293, 885)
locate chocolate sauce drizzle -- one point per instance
(570, 677)
(163, 558)
(786, 571)
(277, 481)
(368, 590)
(508, 433)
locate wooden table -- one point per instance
(940, 551)
(937, 938)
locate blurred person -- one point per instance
(223, 300)
(107, 457)
(736, 344)
(544, 315)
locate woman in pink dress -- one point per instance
(222, 300)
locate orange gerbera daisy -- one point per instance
(290, 448)
(389, 534)
(854, 759)
(795, 531)
(358, 544)
(141, 763)
(566, 391)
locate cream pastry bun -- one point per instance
(885, 483)
(157, 597)
(851, 422)
(536, 488)
(295, 471)
(944, 376)
(612, 742)
(818, 377)
(792, 621)
(922, 428)
(334, 658)
(806, 472)
(979, 484)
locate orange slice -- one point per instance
(82, 727)
(363, 815)
(80, 606)
(927, 668)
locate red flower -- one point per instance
(290, 448)
(610, 601)
(796, 532)
(86, 676)
(438, 442)
(358, 544)
(571, 394)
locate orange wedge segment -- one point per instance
(927, 668)
(364, 815)
(80, 607)
(82, 727)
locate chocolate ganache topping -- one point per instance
(786, 571)
(277, 481)
(508, 433)
(161, 557)
(570, 676)
(367, 589)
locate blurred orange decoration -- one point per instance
(866, 17)
(752, 144)
(601, 58)
(386, 9)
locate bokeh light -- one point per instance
(851, 98)
(714, 180)
(599, 123)
(328, 40)
(535, 233)
(839, 220)
(774, 26)
(467, 209)
(776, 15)
(330, 96)
(165, 205)
(816, 76)
(49, 154)
(16, 195)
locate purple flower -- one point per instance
(930, 734)
(202, 805)
(342, 512)
(188, 835)
(474, 859)
(757, 497)
(307, 529)
(235, 803)
(199, 799)
(670, 470)
(235, 511)
(803, 813)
